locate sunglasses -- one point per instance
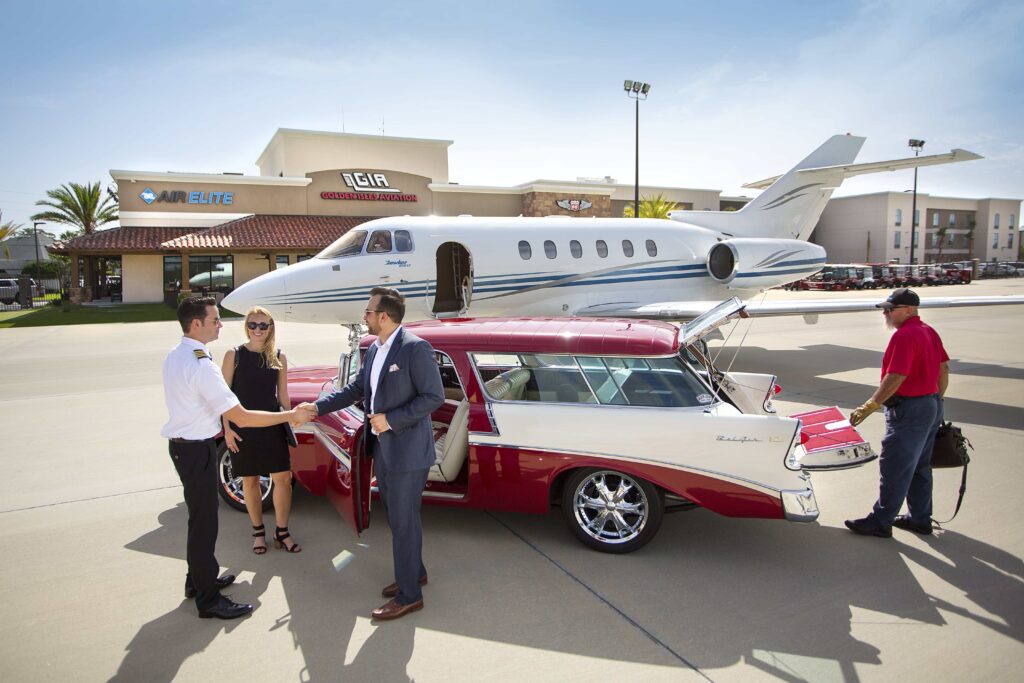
(370, 310)
(262, 326)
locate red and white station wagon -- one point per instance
(611, 420)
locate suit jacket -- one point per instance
(408, 391)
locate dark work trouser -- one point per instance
(905, 463)
(196, 464)
(402, 496)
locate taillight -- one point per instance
(804, 438)
(778, 389)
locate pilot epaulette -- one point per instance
(200, 354)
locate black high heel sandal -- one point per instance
(279, 540)
(261, 532)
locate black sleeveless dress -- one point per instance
(262, 450)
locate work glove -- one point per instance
(861, 412)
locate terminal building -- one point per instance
(214, 231)
(875, 228)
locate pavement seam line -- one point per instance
(600, 597)
(86, 500)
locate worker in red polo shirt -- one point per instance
(915, 372)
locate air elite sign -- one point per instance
(187, 197)
(368, 187)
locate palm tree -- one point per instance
(8, 229)
(84, 208)
(657, 206)
(942, 239)
(81, 206)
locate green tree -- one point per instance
(8, 229)
(81, 206)
(657, 206)
(942, 240)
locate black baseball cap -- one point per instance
(900, 297)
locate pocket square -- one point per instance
(393, 368)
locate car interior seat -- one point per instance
(452, 447)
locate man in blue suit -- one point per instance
(400, 386)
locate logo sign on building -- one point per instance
(187, 197)
(368, 187)
(574, 204)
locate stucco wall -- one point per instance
(142, 278)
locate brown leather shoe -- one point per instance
(393, 609)
(391, 590)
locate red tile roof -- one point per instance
(269, 232)
(311, 233)
(120, 240)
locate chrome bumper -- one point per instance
(800, 506)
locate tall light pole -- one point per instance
(35, 232)
(915, 145)
(637, 91)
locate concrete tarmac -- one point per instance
(92, 527)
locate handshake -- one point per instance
(303, 413)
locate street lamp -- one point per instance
(35, 232)
(915, 145)
(638, 91)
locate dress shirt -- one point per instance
(195, 392)
(378, 364)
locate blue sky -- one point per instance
(741, 90)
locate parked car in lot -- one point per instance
(612, 421)
(10, 292)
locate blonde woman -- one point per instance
(258, 374)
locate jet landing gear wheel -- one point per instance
(230, 486)
(611, 511)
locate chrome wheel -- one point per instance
(231, 486)
(611, 511)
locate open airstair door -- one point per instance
(453, 288)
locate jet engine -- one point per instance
(757, 263)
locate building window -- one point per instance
(576, 249)
(403, 241)
(996, 224)
(935, 219)
(952, 220)
(380, 242)
(549, 249)
(525, 252)
(1009, 241)
(914, 236)
(627, 248)
(652, 248)
(899, 216)
(896, 239)
(172, 273)
(303, 257)
(917, 217)
(280, 261)
(602, 248)
(1012, 220)
(995, 241)
(935, 240)
(950, 239)
(211, 273)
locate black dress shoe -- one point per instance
(910, 524)
(225, 609)
(868, 526)
(222, 583)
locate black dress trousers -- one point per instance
(196, 464)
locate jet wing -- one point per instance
(689, 310)
(850, 170)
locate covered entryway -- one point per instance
(454, 284)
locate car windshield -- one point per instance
(347, 245)
(651, 382)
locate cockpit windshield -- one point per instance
(349, 244)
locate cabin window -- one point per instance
(652, 248)
(576, 249)
(627, 248)
(403, 241)
(380, 242)
(602, 249)
(349, 244)
(525, 252)
(549, 249)
(899, 216)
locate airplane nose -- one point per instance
(264, 291)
